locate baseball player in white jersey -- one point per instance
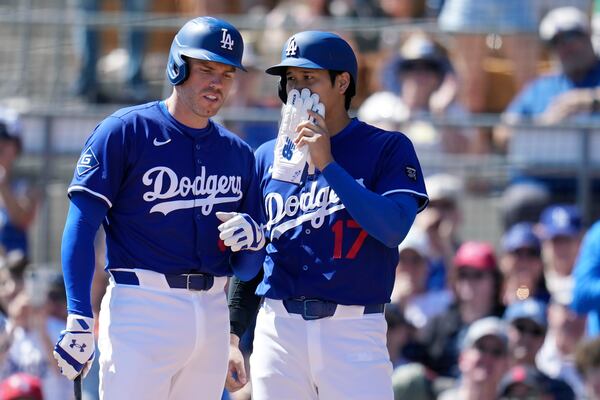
(333, 235)
(165, 181)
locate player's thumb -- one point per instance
(224, 216)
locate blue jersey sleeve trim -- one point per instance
(77, 251)
(387, 219)
(78, 188)
(418, 194)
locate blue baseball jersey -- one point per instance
(163, 183)
(316, 249)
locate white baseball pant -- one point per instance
(341, 357)
(158, 343)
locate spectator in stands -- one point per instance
(87, 46)
(441, 221)
(21, 386)
(400, 335)
(410, 286)
(556, 358)
(12, 276)
(573, 90)
(586, 274)
(521, 265)
(561, 230)
(483, 361)
(587, 361)
(18, 200)
(475, 281)
(470, 22)
(419, 86)
(523, 202)
(527, 324)
(525, 382)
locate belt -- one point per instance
(311, 309)
(175, 281)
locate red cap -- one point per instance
(21, 385)
(478, 255)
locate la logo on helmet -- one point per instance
(292, 48)
(226, 40)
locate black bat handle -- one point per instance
(77, 387)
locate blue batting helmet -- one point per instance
(204, 38)
(316, 50)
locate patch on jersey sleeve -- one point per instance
(411, 172)
(87, 162)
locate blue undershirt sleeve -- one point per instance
(77, 253)
(586, 274)
(386, 218)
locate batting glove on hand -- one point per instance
(75, 348)
(240, 232)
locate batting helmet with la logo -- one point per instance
(204, 38)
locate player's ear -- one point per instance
(343, 81)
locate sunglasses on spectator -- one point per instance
(529, 329)
(494, 351)
(442, 204)
(429, 66)
(566, 37)
(526, 252)
(468, 273)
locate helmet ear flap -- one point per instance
(178, 70)
(281, 89)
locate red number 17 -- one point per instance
(338, 230)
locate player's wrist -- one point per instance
(79, 323)
(234, 340)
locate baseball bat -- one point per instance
(77, 387)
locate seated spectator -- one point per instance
(561, 231)
(475, 282)
(470, 22)
(556, 358)
(527, 324)
(521, 265)
(441, 222)
(525, 382)
(423, 77)
(18, 200)
(483, 361)
(400, 335)
(587, 361)
(410, 286)
(21, 386)
(571, 91)
(523, 202)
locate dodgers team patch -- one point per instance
(87, 162)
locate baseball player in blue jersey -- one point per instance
(332, 241)
(165, 181)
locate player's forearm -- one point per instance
(77, 252)
(243, 303)
(387, 219)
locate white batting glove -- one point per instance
(75, 349)
(240, 232)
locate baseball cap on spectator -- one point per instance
(419, 49)
(563, 20)
(523, 202)
(519, 236)
(560, 220)
(488, 326)
(416, 240)
(21, 385)
(478, 255)
(443, 187)
(531, 309)
(537, 382)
